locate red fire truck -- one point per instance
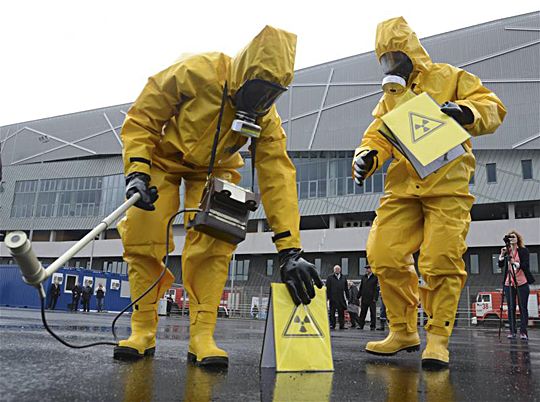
(181, 298)
(487, 307)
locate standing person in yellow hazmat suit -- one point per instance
(168, 137)
(430, 215)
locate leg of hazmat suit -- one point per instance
(205, 264)
(143, 236)
(396, 234)
(446, 223)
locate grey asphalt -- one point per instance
(35, 367)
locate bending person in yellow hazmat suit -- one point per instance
(168, 136)
(430, 215)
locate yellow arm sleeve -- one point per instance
(141, 131)
(277, 181)
(372, 139)
(487, 108)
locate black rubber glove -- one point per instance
(462, 114)
(299, 275)
(138, 183)
(363, 164)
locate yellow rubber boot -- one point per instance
(203, 350)
(436, 356)
(396, 341)
(142, 342)
(144, 320)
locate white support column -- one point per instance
(52, 236)
(332, 222)
(511, 211)
(260, 226)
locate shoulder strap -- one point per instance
(218, 130)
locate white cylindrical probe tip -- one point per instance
(21, 250)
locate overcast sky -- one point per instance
(61, 57)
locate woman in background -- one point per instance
(518, 264)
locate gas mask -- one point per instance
(253, 100)
(397, 68)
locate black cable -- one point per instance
(63, 342)
(89, 345)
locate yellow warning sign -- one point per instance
(297, 338)
(301, 323)
(420, 127)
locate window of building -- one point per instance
(495, 264)
(526, 169)
(474, 267)
(318, 264)
(491, 172)
(345, 266)
(471, 181)
(362, 262)
(240, 270)
(71, 281)
(533, 263)
(269, 267)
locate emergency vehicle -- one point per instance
(181, 298)
(487, 307)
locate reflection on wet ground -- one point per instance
(36, 367)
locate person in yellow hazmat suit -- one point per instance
(168, 137)
(431, 216)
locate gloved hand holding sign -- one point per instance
(299, 275)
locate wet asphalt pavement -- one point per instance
(35, 367)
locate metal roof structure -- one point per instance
(328, 106)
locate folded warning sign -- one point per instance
(297, 338)
(427, 137)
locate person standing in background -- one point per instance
(86, 295)
(54, 293)
(336, 290)
(354, 306)
(518, 271)
(75, 297)
(100, 296)
(368, 293)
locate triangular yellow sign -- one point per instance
(421, 126)
(302, 324)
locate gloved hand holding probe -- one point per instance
(138, 183)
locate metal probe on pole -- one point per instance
(33, 272)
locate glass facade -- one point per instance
(318, 175)
(325, 174)
(68, 197)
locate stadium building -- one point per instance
(62, 175)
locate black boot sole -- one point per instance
(211, 362)
(408, 349)
(131, 354)
(434, 365)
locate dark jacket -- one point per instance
(336, 290)
(76, 292)
(369, 289)
(100, 294)
(86, 293)
(353, 295)
(523, 253)
(54, 290)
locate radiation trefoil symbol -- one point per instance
(302, 324)
(422, 126)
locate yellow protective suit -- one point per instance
(430, 215)
(168, 134)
